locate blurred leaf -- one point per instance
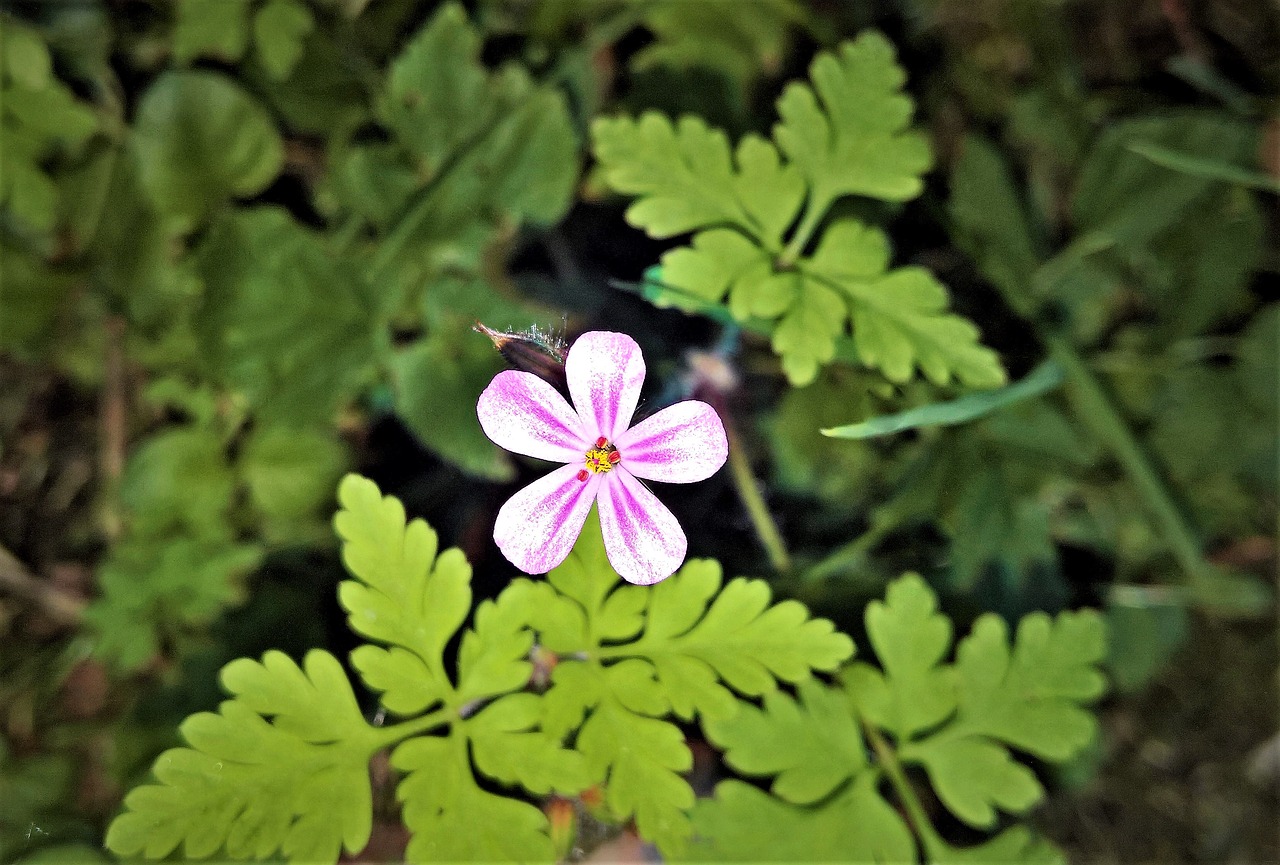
(210, 28)
(179, 479)
(437, 382)
(280, 29)
(201, 139)
(290, 472)
(33, 296)
(1128, 198)
(1043, 378)
(1143, 635)
(1198, 166)
(282, 322)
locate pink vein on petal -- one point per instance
(643, 539)
(522, 413)
(605, 371)
(537, 526)
(681, 444)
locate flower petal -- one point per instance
(605, 371)
(643, 540)
(681, 444)
(537, 526)
(522, 413)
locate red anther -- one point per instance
(583, 474)
(615, 457)
(601, 442)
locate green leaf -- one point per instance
(847, 131)
(497, 137)
(811, 746)
(179, 479)
(1128, 198)
(210, 29)
(749, 250)
(899, 319)
(283, 323)
(687, 178)
(1208, 168)
(290, 472)
(628, 655)
(281, 768)
(280, 29)
(403, 596)
(1042, 379)
(202, 139)
(437, 382)
(744, 824)
(910, 638)
(454, 820)
(154, 589)
(975, 776)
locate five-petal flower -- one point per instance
(605, 460)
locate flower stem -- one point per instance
(749, 491)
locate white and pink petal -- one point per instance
(643, 540)
(538, 526)
(605, 371)
(681, 444)
(522, 413)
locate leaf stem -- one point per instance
(919, 821)
(1096, 409)
(749, 491)
(815, 209)
(386, 736)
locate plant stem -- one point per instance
(848, 554)
(16, 580)
(1096, 409)
(385, 736)
(815, 209)
(916, 816)
(749, 491)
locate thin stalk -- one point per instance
(814, 210)
(1096, 409)
(386, 736)
(919, 821)
(848, 554)
(749, 491)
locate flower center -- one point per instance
(600, 459)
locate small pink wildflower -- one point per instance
(604, 459)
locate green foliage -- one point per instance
(956, 721)
(39, 116)
(281, 768)
(844, 134)
(202, 139)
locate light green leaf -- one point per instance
(744, 824)
(201, 139)
(280, 29)
(974, 776)
(910, 638)
(210, 28)
(403, 595)
(441, 798)
(296, 784)
(811, 746)
(847, 131)
(1030, 697)
(506, 746)
(1208, 168)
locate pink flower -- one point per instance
(605, 460)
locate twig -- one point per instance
(114, 427)
(16, 580)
